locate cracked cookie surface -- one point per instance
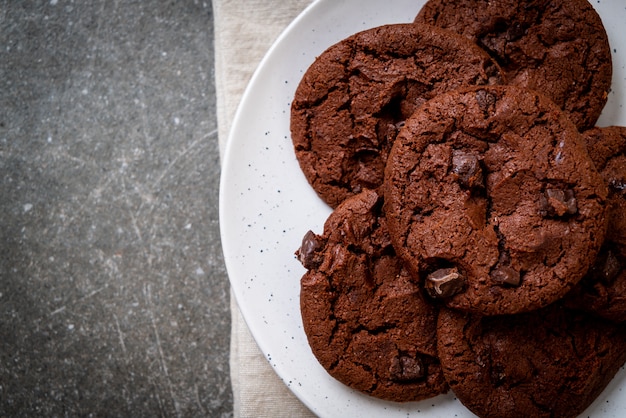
(496, 183)
(366, 321)
(559, 48)
(352, 100)
(552, 362)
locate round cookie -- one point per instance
(603, 290)
(492, 200)
(352, 100)
(557, 47)
(548, 363)
(366, 321)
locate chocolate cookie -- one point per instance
(603, 290)
(365, 319)
(352, 100)
(547, 363)
(492, 199)
(559, 48)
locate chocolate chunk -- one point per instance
(466, 167)
(306, 252)
(607, 267)
(617, 185)
(404, 369)
(505, 275)
(485, 100)
(444, 283)
(515, 32)
(558, 202)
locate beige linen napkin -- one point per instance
(244, 31)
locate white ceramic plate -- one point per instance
(266, 206)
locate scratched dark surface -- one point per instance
(113, 292)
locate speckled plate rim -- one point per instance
(266, 206)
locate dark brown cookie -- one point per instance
(559, 48)
(547, 363)
(365, 319)
(603, 290)
(352, 100)
(492, 199)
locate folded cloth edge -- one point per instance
(243, 32)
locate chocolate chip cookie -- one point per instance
(548, 363)
(603, 290)
(492, 200)
(353, 99)
(559, 48)
(366, 320)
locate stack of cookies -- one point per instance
(478, 233)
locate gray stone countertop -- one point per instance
(113, 293)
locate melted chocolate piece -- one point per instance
(444, 283)
(506, 275)
(306, 252)
(558, 202)
(467, 168)
(485, 100)
(405, 369)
